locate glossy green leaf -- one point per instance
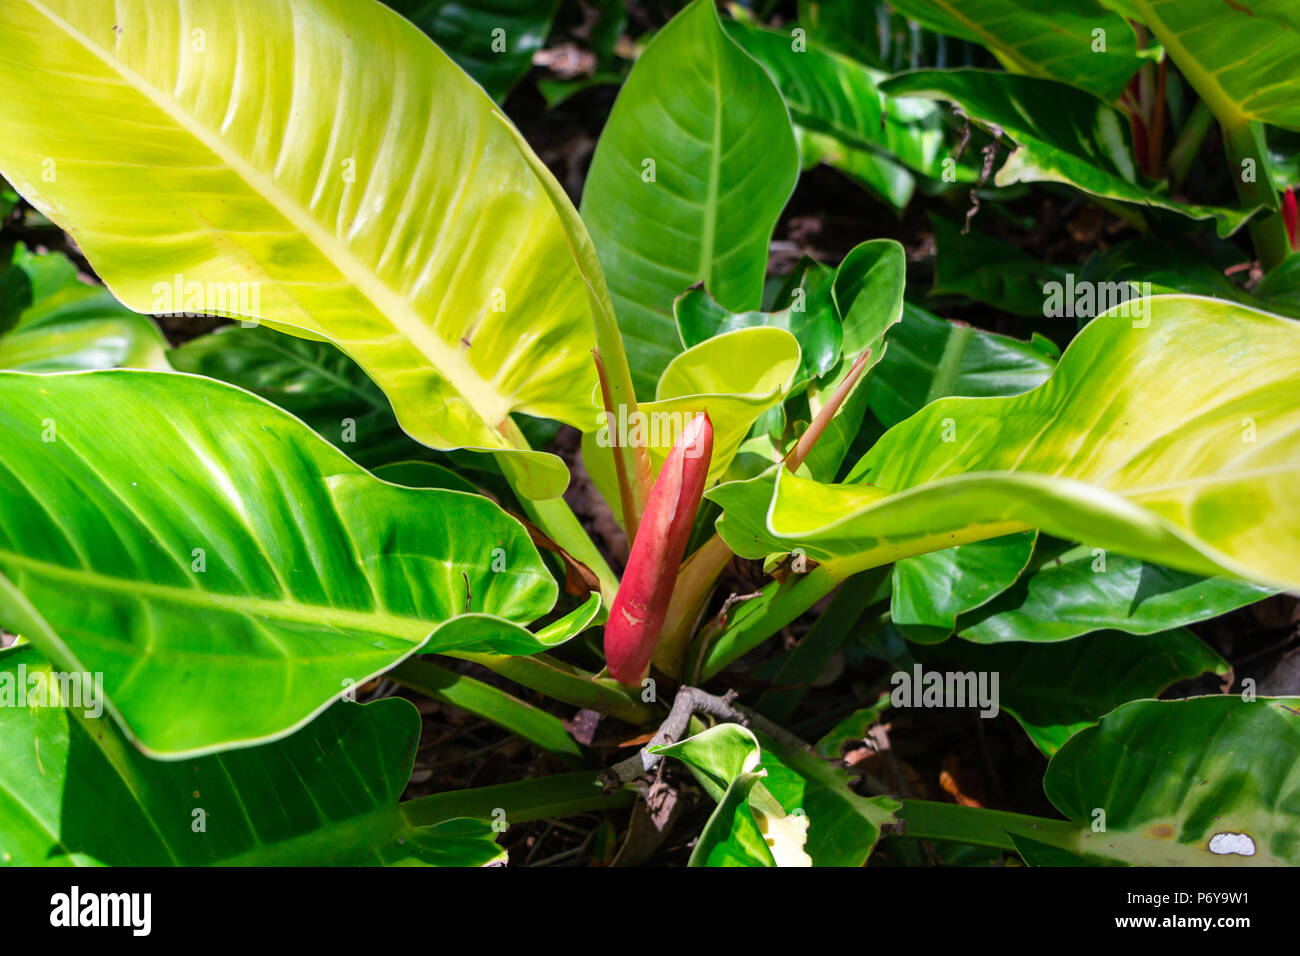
(491, 40)
(62, 324)
(930, 358)
(1210, 781)
(1172, 265)
(1041, 38)
(843, 827)
(1238, 56)
(1062, 134)
(1070, 590)
(749, 827)
(872, 32)
(1190, 460)
(477, 632)
(492, 704)
(74, 792)
(869, 294)
(313, 380)
(931, 590)
(811, 318)
(320, 164)
(692, 169)
(228, 571)
(422, 474)
(832, 94)
(706, 377)
(1055, 691)
(874, 173)
(986, 269)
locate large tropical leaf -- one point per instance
(832, 94)
(930, 358)
(1191, 458)
(1055, 691)
(690, 174)
(931, 590)
(319, 163)
(1070, 590)
(226, 570)
(1201, 782)
(1062, 134)
(1043, 38)
(74, 792)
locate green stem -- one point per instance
(559, 795)
(1245, 149)
(977, 826)
(491, 704)
(759, 618)
(813, 653)
(694, 585)
(568, 684)
(540, 798)
(1188, 144)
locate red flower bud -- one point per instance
(638, 613)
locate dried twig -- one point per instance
(688, 702)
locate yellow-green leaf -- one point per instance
(1170, 433)
(320, 164)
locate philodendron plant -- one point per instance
(209, 552)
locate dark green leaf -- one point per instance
(986, 269)
(931, 590)
(1041, 38)
(1070, 590)
(1056, 690)
(692, 170)
(1063, 134)
(930, 358)
(1201, 782)
(491, 40)
(74, 792)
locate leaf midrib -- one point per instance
(708, 230)
(410, 629)
(482, 397)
